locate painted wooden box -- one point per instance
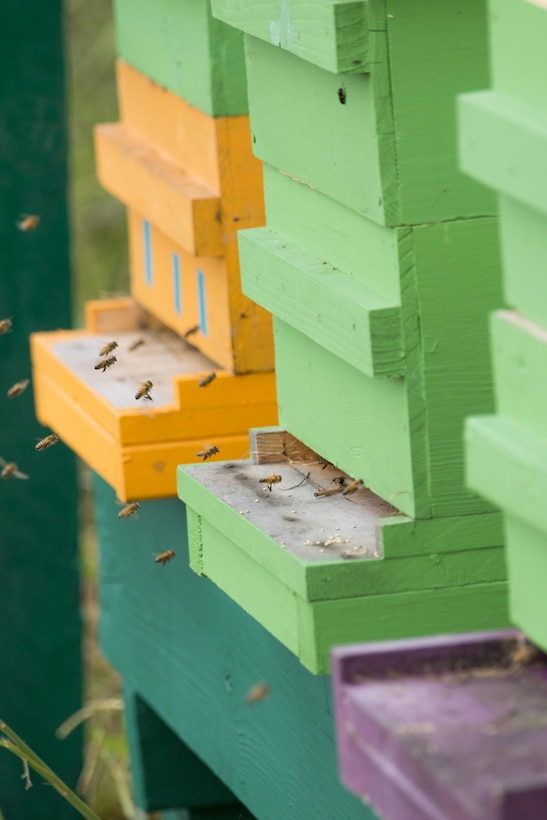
(225, 699)
(447, 728)
(189, 181)
(359, 137)
(182, 47)
(135, 444)
(319, 561)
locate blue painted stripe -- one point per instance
(148, 275)
(202, 304)
(177, 294)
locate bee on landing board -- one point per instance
(18, 388)
(191, 331)
(257, 692)
(209, 453)
(144, 391)
(108, 348)
(270, 480)
(208, 379)
(46, 442)
(5, 325)
(129, 510)
(164, 557)
(104, 364)
(28, 222)
(9, 469)
(352, 487)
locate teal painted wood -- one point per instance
(332, 35)
(181, 46)
(353, 321)
(40, 680)
(156, 753)
(379, 153)
(193, 654)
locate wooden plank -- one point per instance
(186, 209)
(401, 537)
(40, 626)
(193, 658)
(351, 320)
(180, 46)
(331, 35)
(502, 143)
(526, 566)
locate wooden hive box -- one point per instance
(317, 571)
(189, 181)
(447, 727)
(134, 447)
(356, 133)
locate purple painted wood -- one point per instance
(445, 728)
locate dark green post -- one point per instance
(40, 679)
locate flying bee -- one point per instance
(104, 364)
(108, 348)
(205, 454)
(164, 557)
(28, 222)
(48, 441)
(352, 487)
(144, 391)
(342, 95)
(129, 510)
(18, 388)
(270, 480)
(208, 379)
(9, 469)
(191, 331)
(136, 344)
(5, 325)
(257, 692)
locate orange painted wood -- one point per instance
(136, 445)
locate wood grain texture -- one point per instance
(181, 46)
(351, 320)
(163, 192)
(332, 35)
(193, 654)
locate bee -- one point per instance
(191, 331)
(136, 344)
(342, 95)
(48, 441)
(144, 391)
(104, 364)
(18, 388)
(205, 454)
(352, 487)
(523, 653)
(28, 222)
(129, 510)
(164, 557)
(257, 692)
(9, 469)
(5, 325)
(108, 348)
(208, 379)
(270, 480)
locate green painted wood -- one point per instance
(193, 654)
(156, 753)
(503, 144)
(402, 537)
(380, 153)
(517, 39)
(332, 34)
(527, 567)
(40, 680)
(519, 349)
(524, 250)
(351, 320)
(181, 46)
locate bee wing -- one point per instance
(3, 462)
(19, 474)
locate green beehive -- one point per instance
(503, 138)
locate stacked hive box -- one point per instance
(379, 262)
(503, 142)
(180, 159)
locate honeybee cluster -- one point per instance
(107, 360)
